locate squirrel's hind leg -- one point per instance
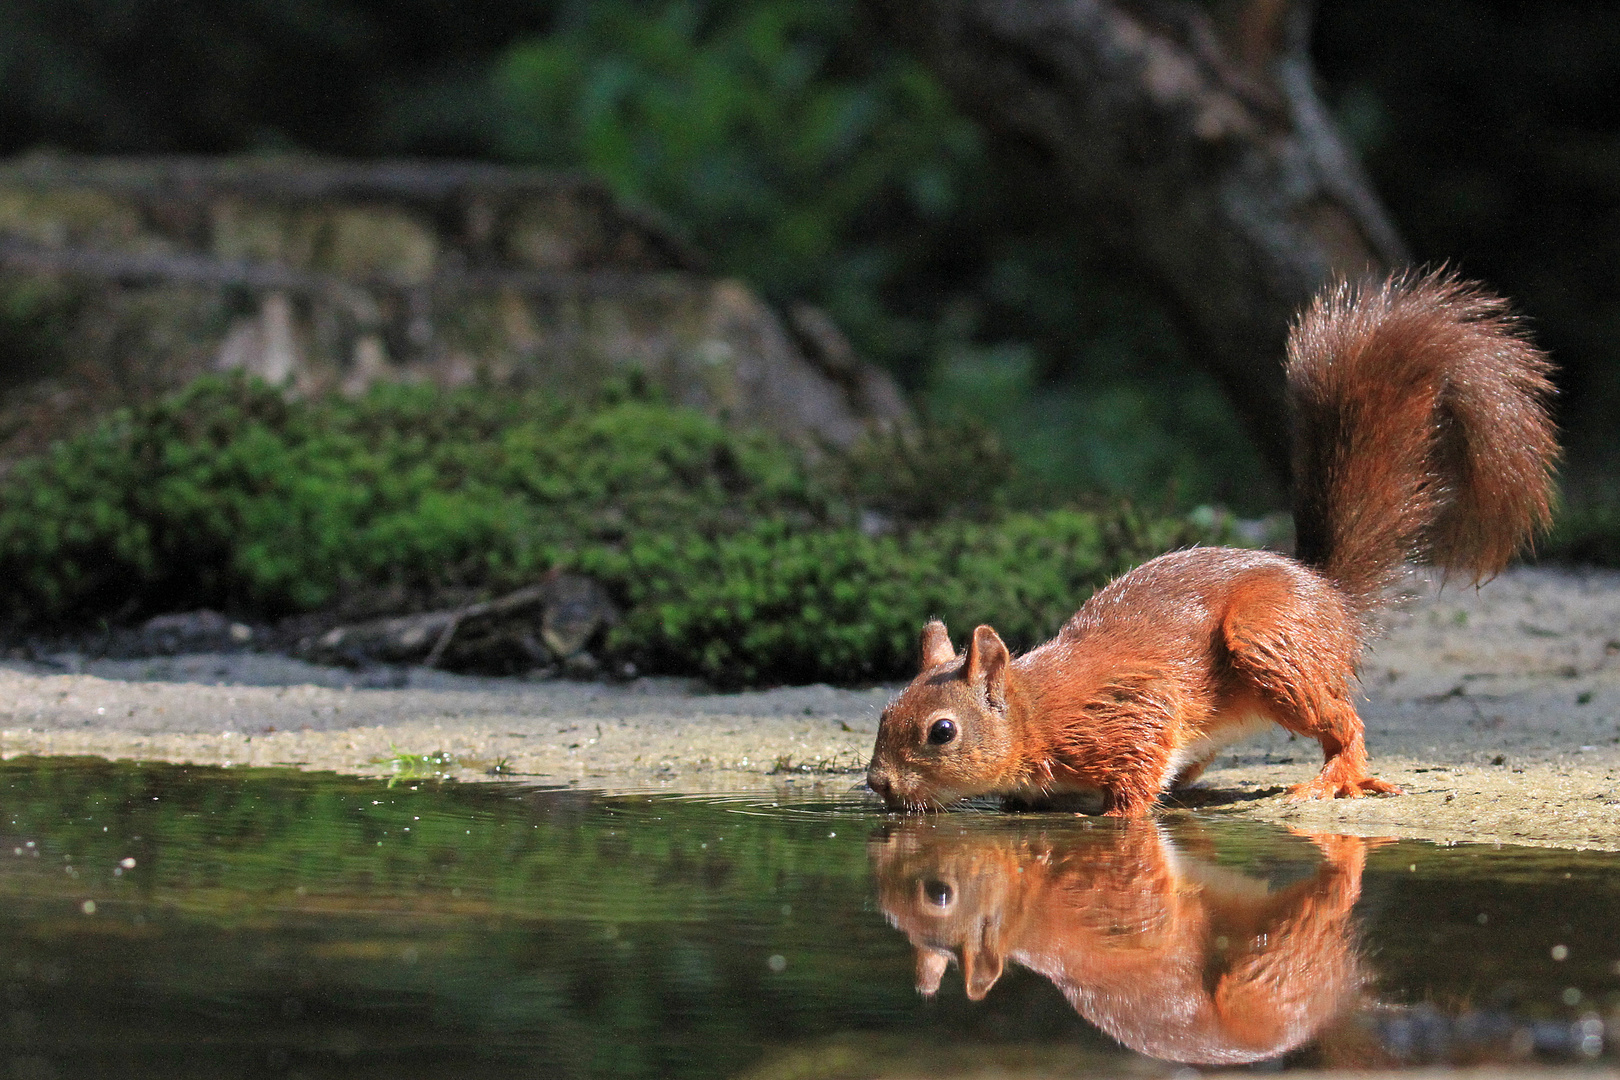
(1305, 678)
(1344, 772)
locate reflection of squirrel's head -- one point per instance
(951, 898)
(947, 735)
(1177, 959)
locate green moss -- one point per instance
(733, 556)
(773, 604)
(229, 495)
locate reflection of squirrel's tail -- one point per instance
(1420, 432)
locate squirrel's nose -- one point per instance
(880, 784)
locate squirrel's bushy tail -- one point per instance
(1421, 432)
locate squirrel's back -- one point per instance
(1421, 432)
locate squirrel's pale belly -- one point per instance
(1221, 732)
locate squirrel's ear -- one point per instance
(936, 645)
(931, 965)
(981, 967)
(987, 661)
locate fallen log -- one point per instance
(541, 624)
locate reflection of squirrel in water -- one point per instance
(1420, 431)
(1176, 959)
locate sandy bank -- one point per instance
(1497, 710)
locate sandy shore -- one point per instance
(1498, 711)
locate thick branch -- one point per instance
(1195, 148)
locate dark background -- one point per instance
(802, 150)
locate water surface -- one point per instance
(168, 921)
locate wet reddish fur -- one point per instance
(1173, 959)
(1422, 432)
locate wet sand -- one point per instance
(1498, 711)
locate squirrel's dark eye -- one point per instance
(941, 732)
(936, 892)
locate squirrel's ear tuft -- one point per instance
(936, 645)
(987, 661)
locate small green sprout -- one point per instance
(407, 767)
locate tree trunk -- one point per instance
(1190, 139)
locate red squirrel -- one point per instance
(1420, 431)
(1172, 955)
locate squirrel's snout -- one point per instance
(881, 785)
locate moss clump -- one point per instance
(770, 603)
(230, 495)
(733, 556)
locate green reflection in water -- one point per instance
(276, 920)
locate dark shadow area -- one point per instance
(1199, 798)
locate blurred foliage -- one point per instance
(792, 141)
(930, 472)
(738, 558)
(784, 145)
(814, 160)
(1587, 533)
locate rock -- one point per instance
(325, 275)
(191, 632)
(582, 665)
(870, 389)
(576, 609)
